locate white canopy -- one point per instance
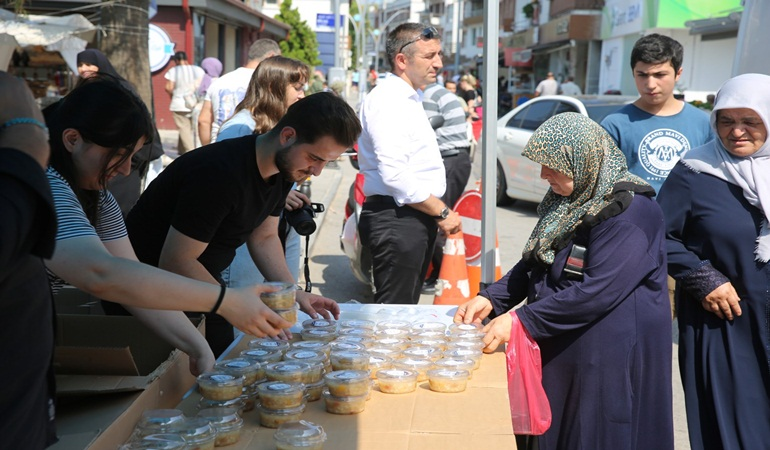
(67, 35)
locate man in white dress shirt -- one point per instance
(403, 170)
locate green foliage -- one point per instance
(352, 33)
(301, 43)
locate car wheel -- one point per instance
(501, 198)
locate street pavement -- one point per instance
(332, 277)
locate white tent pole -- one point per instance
(489, 141)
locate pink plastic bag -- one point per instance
(530, 411)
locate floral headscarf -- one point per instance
(576, 146)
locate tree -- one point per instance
(301, 43)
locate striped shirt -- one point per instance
(73, 223)
(453, 134)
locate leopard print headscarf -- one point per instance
(576, 146)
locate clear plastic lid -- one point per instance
(463, 353)
(396, 342)
(282, 299)
(284, 289)
(221, 416)
(252, 370)
(476, 335)
(349, 357)
(471, 344)
(377, 362)
(435, 342)
(423, 351)
(300, 434)
(429, 326)
(288, 370)
(413, 363)
(283, 388)
(402, 333)
(397, 374)
(160, 417)
(269, 344)
(394, 323)
(391, 352)
(460, 328)
(356, 332)
(455, 363)
(237, 403)
(160, 441)
(319, 323)
(449, 374)
(312, 345)
(306, 355)
(366, 341)
(347, 377)
(196, 430)
(338, 345)
(262, 355)
(220, 379)
(428, 334)
(318, 334)
(282, 412)
(357, 323)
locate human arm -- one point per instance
(696, 276)
(266, 251)
(169, 87)
(498, 298)
(204, 122)
(18, 102)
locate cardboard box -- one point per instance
(423, 420)
(109, 370)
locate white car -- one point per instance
(518, 178)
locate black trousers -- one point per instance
(401, 241)
(458, 171)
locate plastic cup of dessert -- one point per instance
(402, 333)
(160, 441)
(397, 381)
(227, 423)
(300, 435)
(290, 314)
(347, 383)
(436, 342)
(366, 341)
(457, 364)
(394, 323)
(379, 362)
(313, 390)
(356, 332)
(344, 405)
(341, 345)
(273, 418)
(395, 342)
(220, 385)
(460, 328)
(423, 351)
(448, 380)
(198, 432)
(281, 394)
(428, 326)
(350, 360)
(239, 403)
(283, 298)
(290, 371)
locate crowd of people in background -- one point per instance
(658, 213)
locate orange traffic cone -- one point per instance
(452, 286)
(474, 271)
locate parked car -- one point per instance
(518, 178)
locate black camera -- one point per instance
(302, 219)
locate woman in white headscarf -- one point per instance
(716, 203)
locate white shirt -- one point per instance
(547, 87)
(570, 88)
(186, 79)
(397, 151)
(225, 93)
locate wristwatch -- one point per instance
(443, 214)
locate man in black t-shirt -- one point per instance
(207, 203)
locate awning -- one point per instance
(517, 57)
(715, 25)
(67, 35)
(234, 12)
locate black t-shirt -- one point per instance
(28, 234)
(468, 96)
(215, 195)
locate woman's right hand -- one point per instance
(474, 310)
(723, 301)
(245, 311)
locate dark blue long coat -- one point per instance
(725, 366)
(606, 339)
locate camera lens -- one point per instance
(302, 220)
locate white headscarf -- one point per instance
(750, 173)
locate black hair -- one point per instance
(321, 114)
(180, 56)
(657, 49)
(105, 113)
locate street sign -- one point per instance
(325, 22)
(468, 206)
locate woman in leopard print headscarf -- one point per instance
(593, 274)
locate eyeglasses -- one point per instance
(427, 34)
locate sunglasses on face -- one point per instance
(427, 34)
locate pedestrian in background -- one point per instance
(28, 232)
(277, 83)
(225, 93)
(182, 82)
(455, 148)
(569, 87)
(549, 86)
(717, 203)
(125, 188)
(593, 274)
(213, 69)
(404, 175)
